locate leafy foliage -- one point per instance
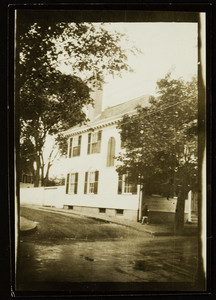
(49, 100)
(89, 49)
(27, 157)
(161, 139)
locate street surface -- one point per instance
(70, 249)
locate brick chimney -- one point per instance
(94, 111)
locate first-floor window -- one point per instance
(91, 182)
(72, 183)
(125, 186)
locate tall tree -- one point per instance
(49, 100)
(161, 142)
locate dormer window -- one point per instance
(74, 146)
(94, 142)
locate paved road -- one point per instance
(76, 249)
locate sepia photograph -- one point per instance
(110, 151)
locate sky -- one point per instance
(165, 47)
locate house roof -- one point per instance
(111, 114)
(123, 108)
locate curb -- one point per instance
(70, 213)
(154, 233)
(28, 231)
(27, 226)
(95, 218)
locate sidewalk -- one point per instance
(27, 225)
(153, 229)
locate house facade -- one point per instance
(92, 184)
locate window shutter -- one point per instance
(99, 141)
(76, 183)
(111, 152)
(108, 153)
(67, 183)
(99, 135)
(89, 143)
(120, 184)
(70, 147)
(96, 182)
(86, 183)
(79, 144)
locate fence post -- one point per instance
(189, 205)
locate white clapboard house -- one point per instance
(92, 183)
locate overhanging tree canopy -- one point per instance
(51, 101)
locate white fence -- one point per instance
(43, 196)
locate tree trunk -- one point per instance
(179, 215)
(42, 168)
(37, 178)
(143, 197)
(142, 202)
(42, 175)
(46, 179)
(37, 172)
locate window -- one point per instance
(94, 142)
(102, 210)
(125, 186)
(72, 183)
(111, 152)
(91, 182)
(119, 211)
(74, 146)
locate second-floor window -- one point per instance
(94, 142)
(125, 186)
(91, 182)
(75, 146)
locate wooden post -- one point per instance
(179, 215)
(140, 195)
(189, 205)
